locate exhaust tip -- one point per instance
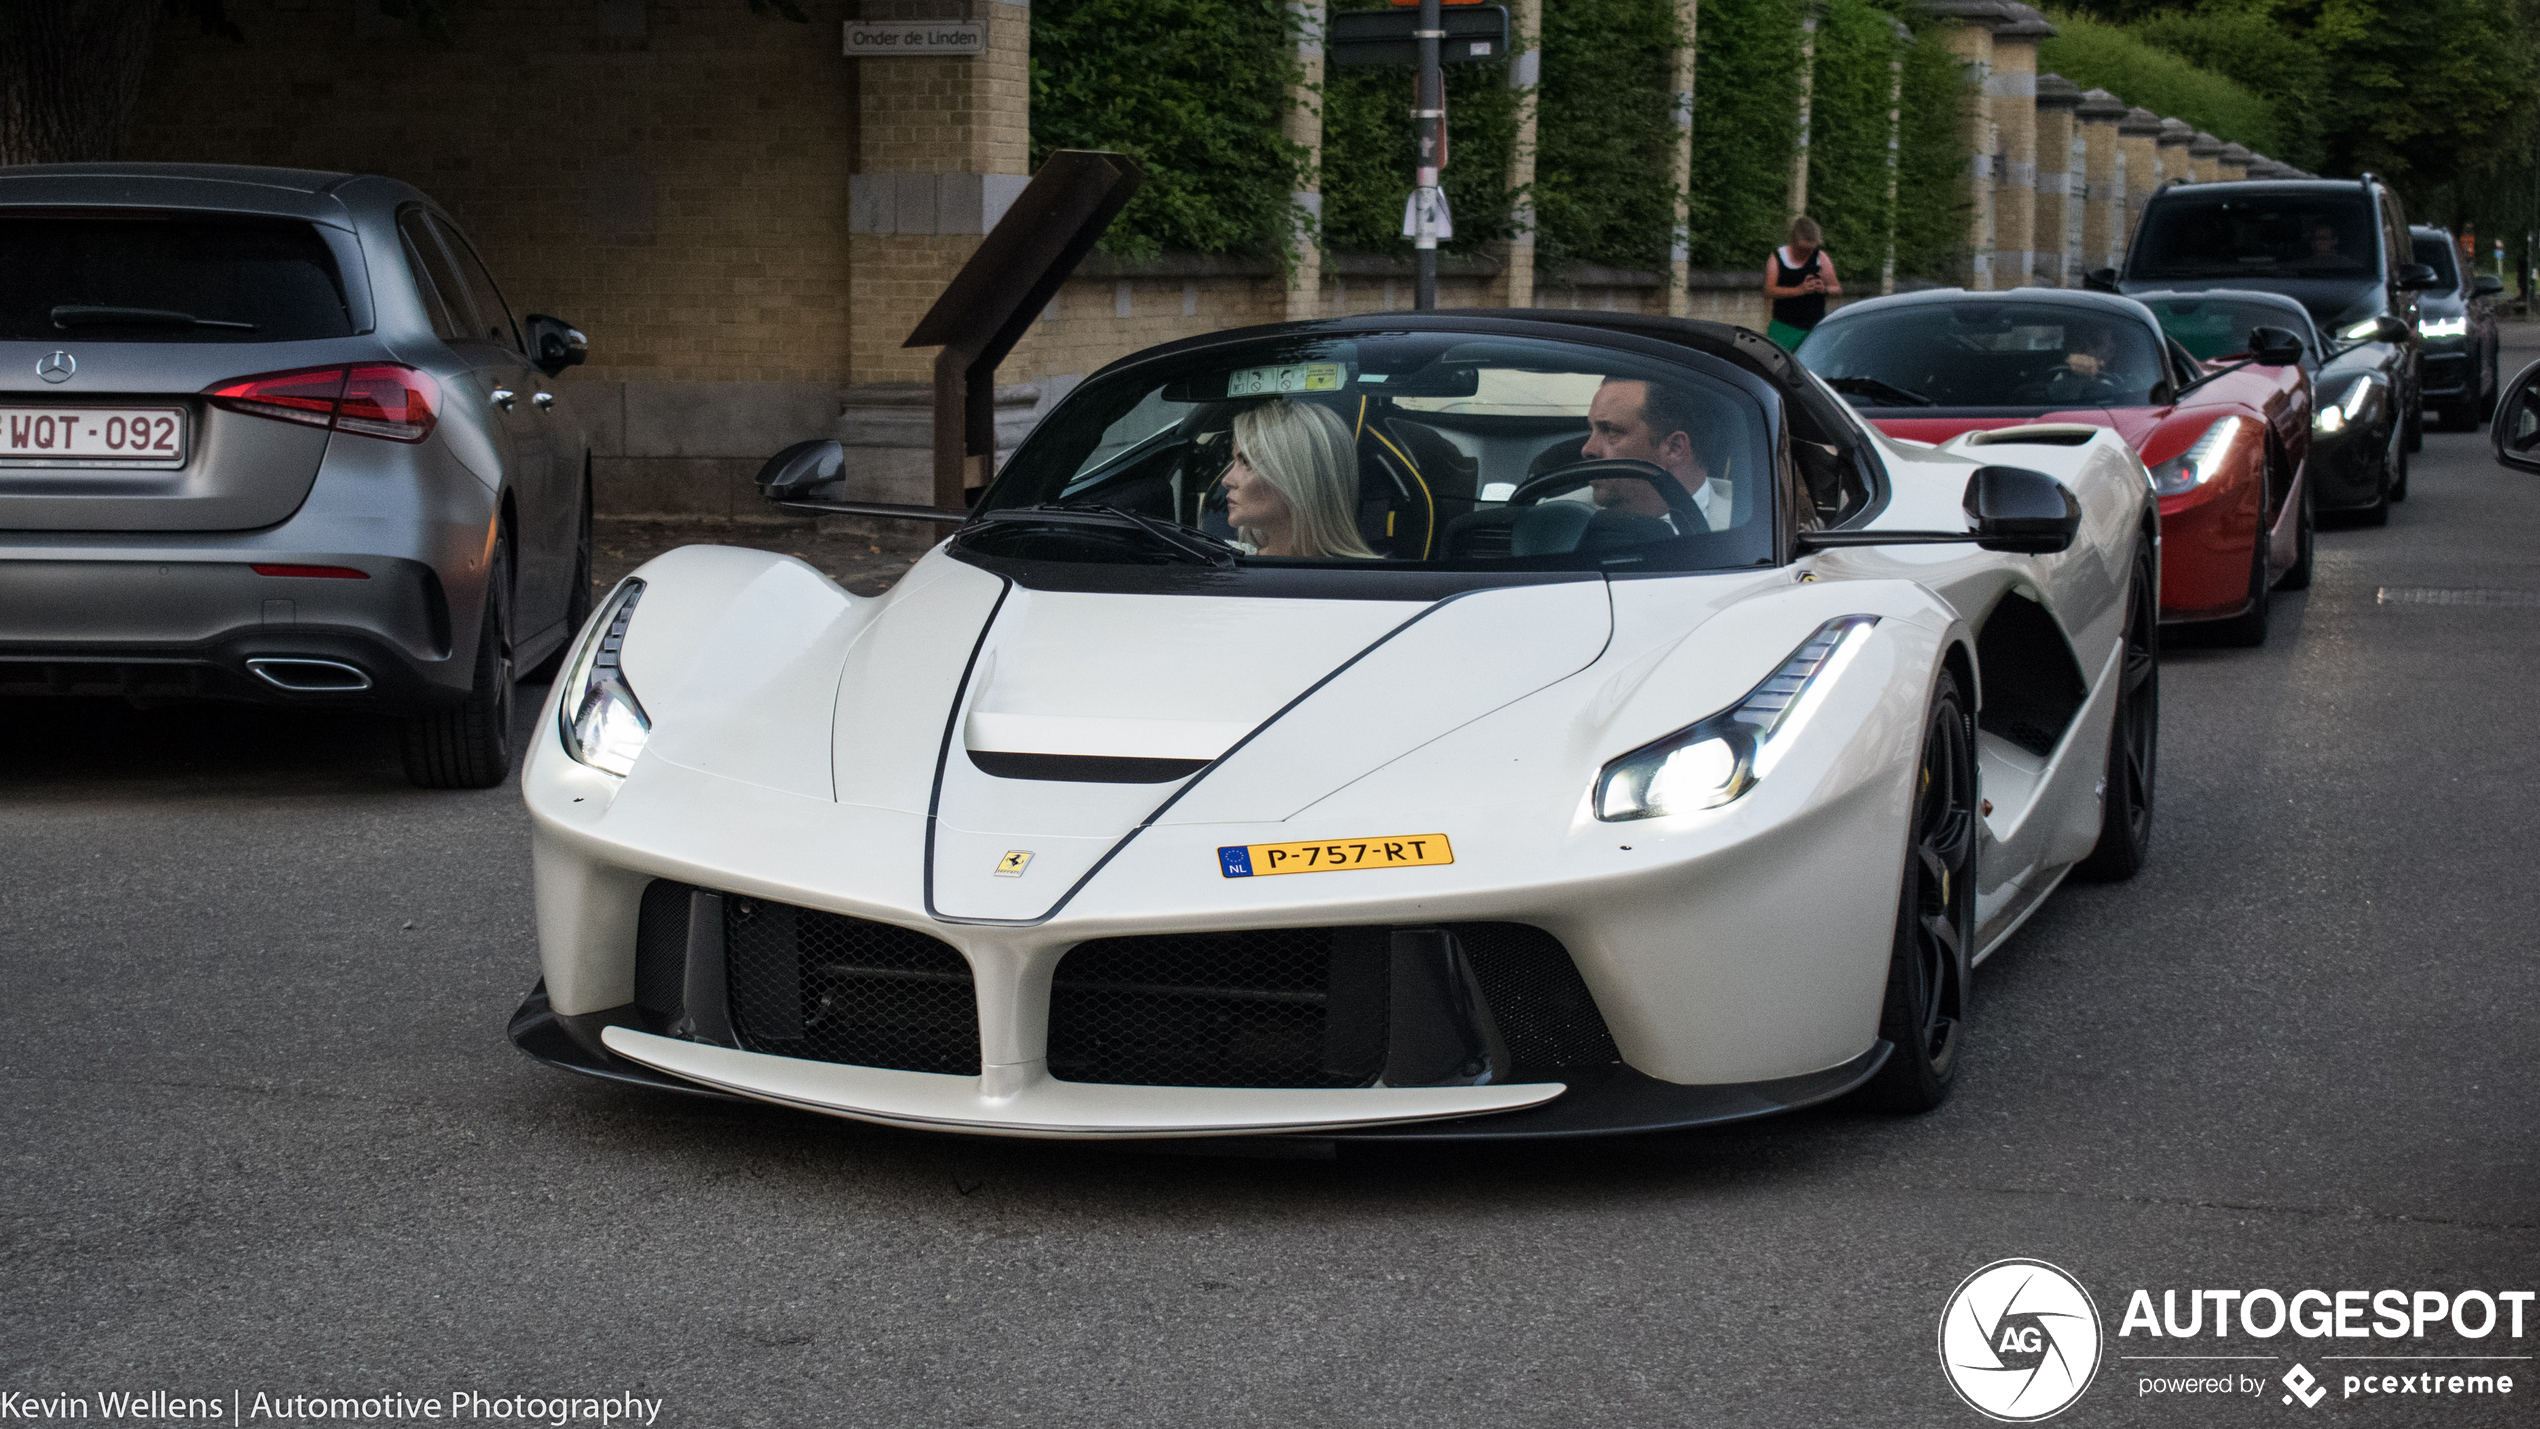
(307, 675)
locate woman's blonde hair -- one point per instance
(1305, 453)
(1804, 229)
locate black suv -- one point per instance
(2457, 322)
(2339, 247)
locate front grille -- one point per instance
(661, 953)
(829, 988)
(1294, 1007)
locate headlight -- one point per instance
(2443, 327)
(1711, 763)
(2336, 416)
(2363, 331)
(604, 725)
(2200, 463)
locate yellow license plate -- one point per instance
(1335, 855)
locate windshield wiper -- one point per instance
(1872, 387)
(1189, 544)
(71, 315)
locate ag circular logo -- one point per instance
(2019, 1341)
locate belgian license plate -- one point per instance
(85, 435)
(1335, 855)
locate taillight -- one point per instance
(375, 401)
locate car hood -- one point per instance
(2333, 301)
(1264, 704)
(2135, 424)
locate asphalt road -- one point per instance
(263, 1132)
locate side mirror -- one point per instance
(2014, 509)
(555, 344)
(2274, 346)
(792, 474)
(2516, 430)
(2486, 285)
(2416, 276)
(2100, 280)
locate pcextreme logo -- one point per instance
(2019, 1341)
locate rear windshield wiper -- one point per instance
(71, 315)
(1872, 387)
(1190, 545)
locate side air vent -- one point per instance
(835, 989)
(2032, 684)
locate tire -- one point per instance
(2399, 462)
(1924, 1016)
(2416, 442)
(2134, 739)
(2486, 405)
(578, 601)
(2248, 630)
(2461, 416)
(469, 746)
(2378, 513)
(2298, 576)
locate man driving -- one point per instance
(1637, 420)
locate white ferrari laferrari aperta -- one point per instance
(1492, 725)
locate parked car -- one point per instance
(2227, 447)
(1641, 792)
(2359, 454)
(276, 436)
(2340, 247)
(2456, 322)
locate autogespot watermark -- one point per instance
(2021, 1340)
(242, 1407)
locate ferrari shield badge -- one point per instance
(1014, 862)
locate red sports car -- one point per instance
(2228, 442)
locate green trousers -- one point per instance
(1784, 334)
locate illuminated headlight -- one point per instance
(2443, 327)
(1710, 764)
(2200, 463)
(2363, 331)
(2337, 416)
(604, 725)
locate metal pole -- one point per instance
(1430, 116)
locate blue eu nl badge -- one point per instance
(1237, 861)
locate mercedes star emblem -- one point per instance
(56, 366)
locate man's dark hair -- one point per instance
(1668, 408)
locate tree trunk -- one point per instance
(69, 73)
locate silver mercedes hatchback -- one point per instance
(274, 435)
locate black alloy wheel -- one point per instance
(2416, 443)
(2134, 738)
(1924, 1017)
(2298, 575)
(2392, 461)
(2248, 629)
(469, 745)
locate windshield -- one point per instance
(161, 277)
(2018, 355)
(2435, 252)
(2298, 235)
(1393, 449)
(2210, 327)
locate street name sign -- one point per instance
(1390, 37)
(890, 38)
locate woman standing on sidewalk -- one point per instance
(1797, 278)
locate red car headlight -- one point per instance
(2201, 462)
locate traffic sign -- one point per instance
(1391, 37)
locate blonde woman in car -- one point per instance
(1293, 487)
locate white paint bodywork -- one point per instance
(798, 733)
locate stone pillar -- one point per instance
(2172, 146)
(2101, 181)
(2013, 89)
(2138, 137)
(1680, 162)
(2060, 159)
(944, 142)
(1807, 97)
(1303, 127)
(1525, 75)
(1971, 43)
(2233, 166)
(1895, 135)
(2204, 157)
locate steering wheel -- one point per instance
(1679, 501)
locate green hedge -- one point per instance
(1745, 131)
(2261, 54)
(1195, 90)
(2098, 55)
(1605, 131)
(1369, 151)
(1931, 180)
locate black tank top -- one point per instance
(1808, 309)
